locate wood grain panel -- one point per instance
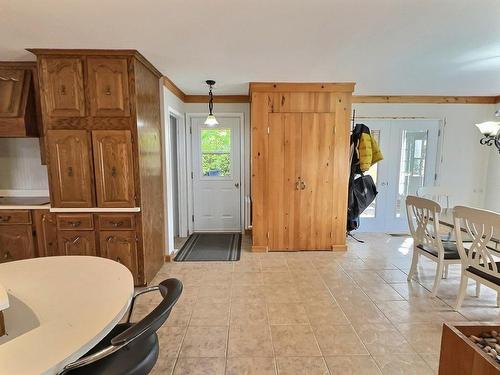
(114, 173)
(259, 123)
(77, 242)
(300, 87)
(46, 233)
(120, 246)
(217, 98)
(11, 91)
(423, 99)
(149, 149)
(16, 242)
(70, 169)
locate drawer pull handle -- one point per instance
(63, 90)
(9, 79)
(74, 224)
(110, 238)
(108, 90)
(113, 171)
(75, 240)
(4, 219)
(118, 259)
(70, 171)
(116, 223)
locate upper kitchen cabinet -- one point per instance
(18, 100)
(62, 87)
(108, 87)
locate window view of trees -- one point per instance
(216, 152)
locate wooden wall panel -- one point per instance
(149, 146)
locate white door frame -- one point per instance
(189, 165)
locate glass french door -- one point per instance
(410, 153)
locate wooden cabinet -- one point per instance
(46, 233)
(62, 86)
(113, 221)
(73, 242)
(113, 168)
(16, 242)
(108, 86)
(120, 246)
(300, 165)
(70, 168)
(11, 90)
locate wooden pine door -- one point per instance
(16, 242)
(121, 246)
(284, 183)
(73, 242)
(300, 170)
(316, 191)
(11, 90)
(70, 168)
(114, 171)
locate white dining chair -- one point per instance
(479, 261)
(423, 221)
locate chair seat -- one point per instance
(484, 275)
(450, 250)
(137, 358)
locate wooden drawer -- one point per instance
(117, 221)
(75, 222)
(15, 217)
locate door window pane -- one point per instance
(412, 165)
(215, 152)
(371, 209)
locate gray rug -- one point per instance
(210, 247)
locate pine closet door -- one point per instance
(300, 170)
(316, 182)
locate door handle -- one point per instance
(237, 185)
(302, 185)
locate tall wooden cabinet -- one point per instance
(300, 165)
(100, 159)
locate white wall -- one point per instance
(20, 165)
(463, 168)
(492, 199)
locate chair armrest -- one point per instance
(90, 358)
(137, 294)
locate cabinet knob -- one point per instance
(74, 224)
(4, 219)
(113, 171)
(119, 260)
(116, 223)
(108, 90)
(302, 185)
(70, 171)
(110, 238)
(63, 90)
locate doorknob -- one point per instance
(237, 185)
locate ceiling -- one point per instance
(389, 47)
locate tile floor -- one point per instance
(311, 313)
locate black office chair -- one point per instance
(130, 348)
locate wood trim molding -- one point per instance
(174, 89)
(302, 87)
(497, 99)
(425, 99)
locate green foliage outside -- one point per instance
(215, 149)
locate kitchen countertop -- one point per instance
(24, 203)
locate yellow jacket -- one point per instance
(368, 151)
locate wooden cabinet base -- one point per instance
(460, 356)
(2, 325)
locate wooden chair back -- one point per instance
(423, 221)
(481, 226)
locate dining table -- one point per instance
(58, 309)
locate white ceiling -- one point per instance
(419, 47)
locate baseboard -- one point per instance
(170, 257)
(339, 247)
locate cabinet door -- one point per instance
(108, 86)
(11, 90)
(16, 242)
(62, 89)
(74, 242)
(70, 168)
(113, 168)
(283, 182)
(120, 246)
(317, 188)
(46, 233)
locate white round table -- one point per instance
(60, 307)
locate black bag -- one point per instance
(364, 192)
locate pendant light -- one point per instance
(211, 121)
(491, 132)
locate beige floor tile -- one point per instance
(247, 292)
(164, 365)
(248, 278)
(179, 316)
(381, 339)
(294, 340)
(301, 366)
(170, 340)
(210, 314)
(287, 313)
(403, 364)
(271, 278)
(252, 340)
(204, 342)
(432, 361)
(381, 292)
(352, 365)
(281, 293)
(251, 366)
(325, 313)
(248, 312)
(338, 340)
(200, 366)
(423, 337)
(393, 276)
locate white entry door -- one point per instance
(410, 153)
(216, 175)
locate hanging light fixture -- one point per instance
(491, 132)
(211, 120)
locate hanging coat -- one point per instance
(368, 150)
